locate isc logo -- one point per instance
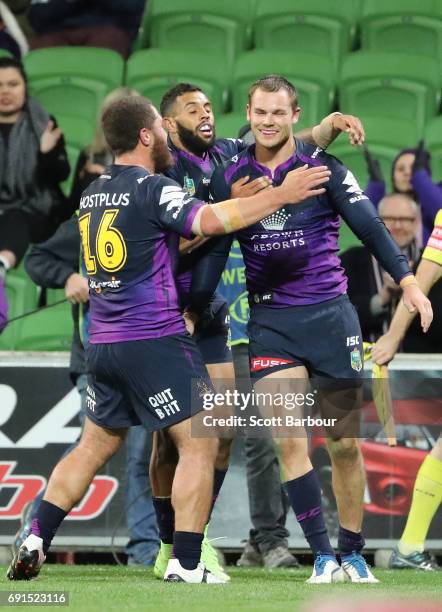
(352, 340)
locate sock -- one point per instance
(46, 522)
(165, 518)
(427, 496)
(187, 548)
(349, 541)
(305, 498)
(218, 479)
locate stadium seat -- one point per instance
(312, 75)
(73, 80)
(403, 26)
(227, 126)
(153, 71)
(316, 27)
(433, 142)
(394, 85)
(48, 330)
(223, 27)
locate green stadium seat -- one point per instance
(73, 153)
(73, 80)
(384, 139)
(403, 25)
(433, 142)
(153, 71)
(5, 53)
(48, 330)
(396, 85)
(22, 296)
(312, 75)
(227, 126)
(305, 24)
(224, 27)
(78, 131)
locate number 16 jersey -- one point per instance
(129, 223)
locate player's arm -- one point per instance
(429, 271)
(361, 216)
(331, 127)
(206, 273)
(229, 216)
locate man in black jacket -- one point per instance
(54, 264)
(372, 290)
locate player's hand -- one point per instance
(352, 126)
(190, 319)
(385, 349)
(93, 168)
(303, 183)
(77, 289)
(243, 189)
(187, 246)
(415, 300)
(49, 138)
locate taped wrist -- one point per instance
(324, 133)
(410, 279)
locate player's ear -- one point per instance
(145, 137)
(169, 125)
(248, 112)
(296, 114)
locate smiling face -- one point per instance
(12, 93)
(400, 215)
(193, 122)
(271, 117)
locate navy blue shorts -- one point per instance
(145, 382)
(326, 338)
(213, 339)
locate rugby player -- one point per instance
(189, 121)
(141, 359)
(427, 493)
(301, 321)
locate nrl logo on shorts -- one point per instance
(275, 221)
(356, 359)
(189, 185)
(202, 387)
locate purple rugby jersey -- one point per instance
(194, 174)
(130, 221)
(291, 257)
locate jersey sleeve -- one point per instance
(173, 208)
(433, 250)
(358, 212)
(219, 187)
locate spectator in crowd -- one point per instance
(12, 38)
(112, 24)
(33, 162)
(411, 175)
(374, 293)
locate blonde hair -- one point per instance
(99, 144)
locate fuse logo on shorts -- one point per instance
(262, 363)
(164, 403)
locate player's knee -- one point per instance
(203, 450)
(344, 450)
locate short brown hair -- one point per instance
(122, 121)
(273, 83)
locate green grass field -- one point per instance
(102, 587)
